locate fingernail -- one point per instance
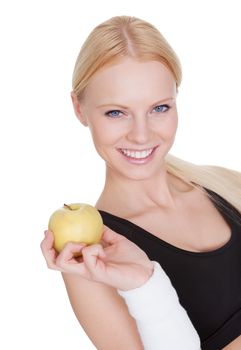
(45, 233)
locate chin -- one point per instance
(142, 174)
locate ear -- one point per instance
(77, 109)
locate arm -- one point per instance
(103, 314)
(93, 282)
(161, 320)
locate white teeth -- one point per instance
(137, 154)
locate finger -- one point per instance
(48, 250)
(110, 236)
(67, 257)
(92, 256)
(48, 241)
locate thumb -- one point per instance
(110, 236)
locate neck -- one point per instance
(125, 196)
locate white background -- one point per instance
(47, 157)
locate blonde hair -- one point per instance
(125, 36)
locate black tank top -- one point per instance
(208, 283)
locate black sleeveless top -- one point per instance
(208, 283)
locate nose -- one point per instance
(139, 131)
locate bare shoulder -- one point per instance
(103, 314)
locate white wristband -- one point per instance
(161, 320)
(142, 301)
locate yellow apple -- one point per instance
(75, 222)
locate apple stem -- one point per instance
(67, 206)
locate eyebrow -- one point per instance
(126, 107)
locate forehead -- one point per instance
(131, 77)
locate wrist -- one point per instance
(146, 273)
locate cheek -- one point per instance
(169, 127)
(104, 134)
(173, 124)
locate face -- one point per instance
(130, 109)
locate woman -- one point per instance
(168, 223)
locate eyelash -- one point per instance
(118, 116)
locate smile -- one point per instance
(138, 157)
(137, 154)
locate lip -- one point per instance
(138, 161)
(137, 150)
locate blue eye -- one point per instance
(161, 108)
(113, 114)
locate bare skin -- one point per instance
(145, 193)
(234, 345)
(156, 199)
(130, 109)
(193, 209)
